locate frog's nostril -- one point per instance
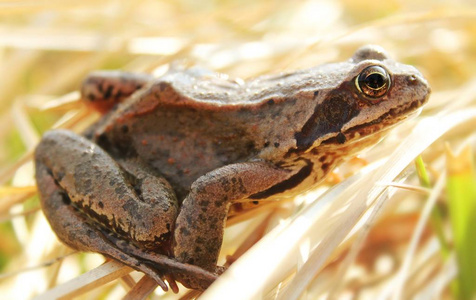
(412, 79)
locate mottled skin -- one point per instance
(151, 183)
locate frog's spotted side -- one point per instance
(151, 183)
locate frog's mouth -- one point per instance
(379, 125)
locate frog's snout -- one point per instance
(418, 79)
(420, 85)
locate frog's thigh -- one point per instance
(103, 89)
(200, 224)
(75, 231)
(96, 185)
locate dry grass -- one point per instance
(367, 237)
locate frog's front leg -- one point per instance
(103, 89)
(200, 225)
(94, 204)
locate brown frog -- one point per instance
(150, 184)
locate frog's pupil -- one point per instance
(375, 81)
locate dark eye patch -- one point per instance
(329, 116)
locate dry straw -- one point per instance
(363, 234)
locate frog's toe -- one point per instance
(220, 270)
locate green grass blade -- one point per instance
(461, 191)
(436, 218)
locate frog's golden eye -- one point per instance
(373, 81)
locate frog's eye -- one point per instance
(373, 81)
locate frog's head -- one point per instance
(373, 92)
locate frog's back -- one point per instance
(188, 123)
(197, 86)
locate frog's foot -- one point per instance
(189, 275)
(191, 281)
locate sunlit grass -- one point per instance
(461, 191)
(436, 213)
(367, 237)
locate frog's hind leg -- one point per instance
(78, 233)
(93, 204)
(141, 208)
(103, 89)
(75, 231)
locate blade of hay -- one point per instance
(425, 215)
(142, 289)
(95, 278)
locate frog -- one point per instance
(150, 184)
